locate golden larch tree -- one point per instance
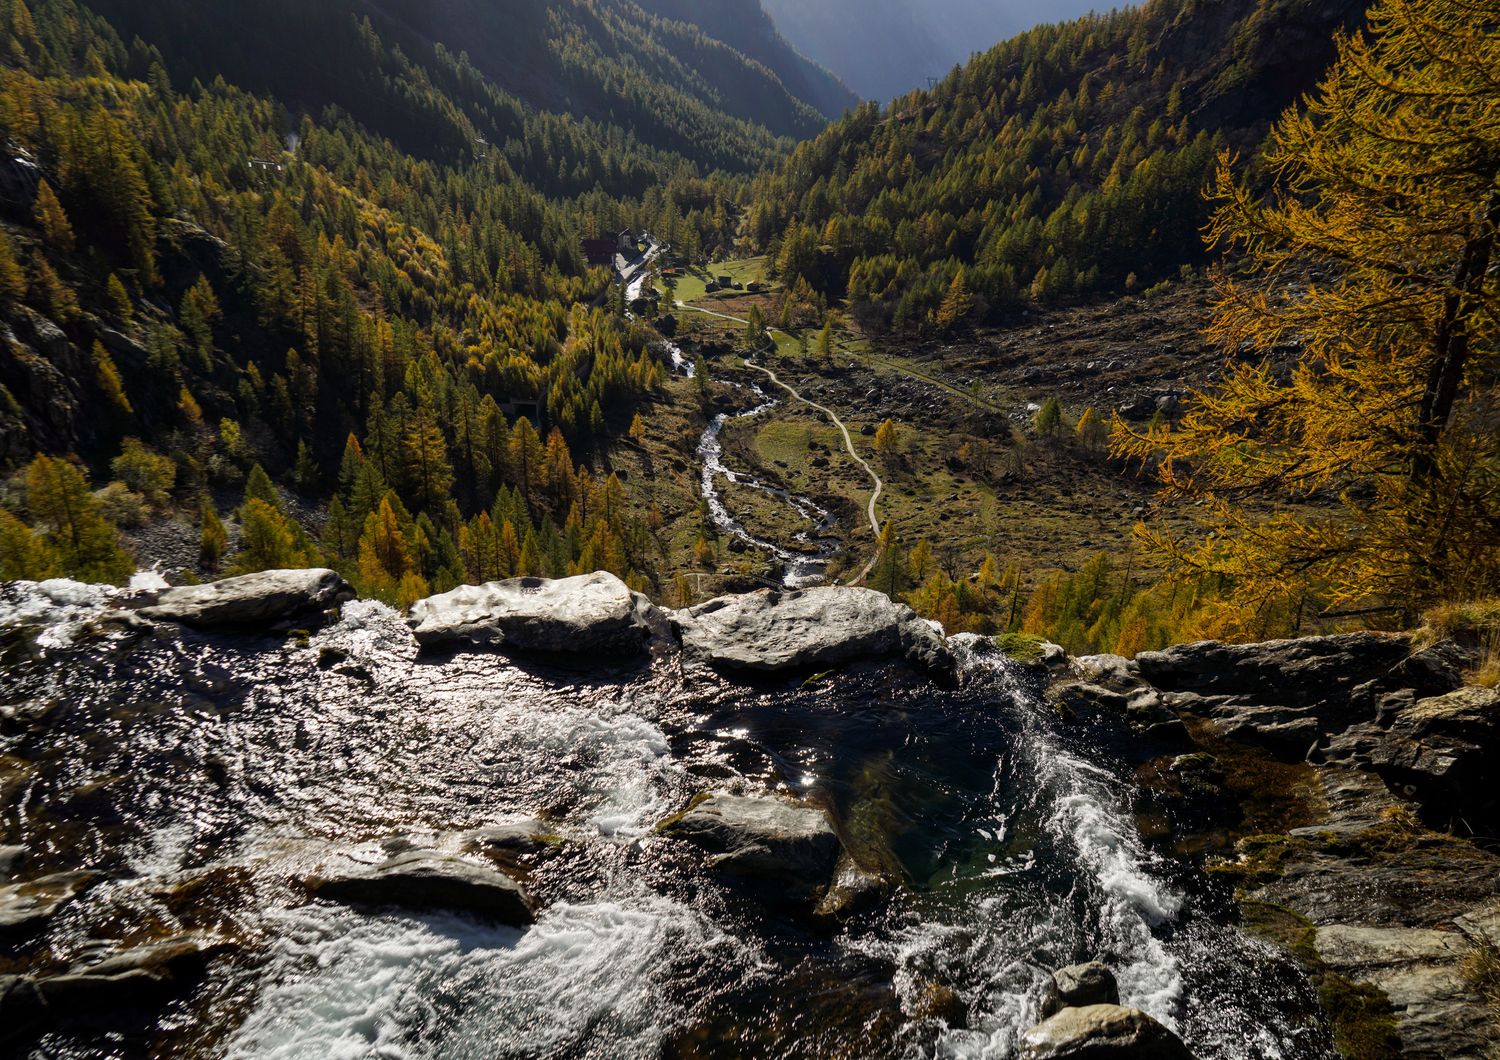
(1367, 473)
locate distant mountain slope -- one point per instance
(1066, 161)
(745, 26)
(885, 48)
(880, 48)
(665, 84)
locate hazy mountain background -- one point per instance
(885, 48)
(749, 29)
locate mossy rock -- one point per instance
(666, 823)
(1365, 1026)
(1363, 1021)
(1262, 859)
(1285, 927)
(1022, 647)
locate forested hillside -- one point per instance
(312, 281)
(747, 28)
(1069, 160)
(204, 289)
(636, 82)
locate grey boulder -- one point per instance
(1102, 1032)
(424, 880)
(770, 631)
(787, 848)
(252, 601)
(589, 615)
(1080, 985)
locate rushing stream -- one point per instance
(799, 567)
(203, 776)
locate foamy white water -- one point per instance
(591, 979)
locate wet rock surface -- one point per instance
(1420, 971)
(134, 975)
(1081, 985)
(427, 880)
(1387, 744)
(913, 847)
(590, 615)
(28, 906)
(252, 601)
(11, 858)
(1103, 1032)
(779, 848)
(771, 631)
(132, 981)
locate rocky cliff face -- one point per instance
(1343, 788)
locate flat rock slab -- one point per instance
(1290, 672)
(28, 906)
(1421, 971)
(128, 980)
(1102, 1032)
(133, 975)
(252, 601)
(422, 879)
(771, 631)
(589, 615)
(763, 839)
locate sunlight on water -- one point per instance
(1009, 837)
(591, 979)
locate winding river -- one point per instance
(800, 567)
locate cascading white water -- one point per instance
(589, 980)
(246, 762)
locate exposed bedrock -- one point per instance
(772, 631)
(252, 601)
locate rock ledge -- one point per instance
(592, 614)
(771, 631)
(252, 600)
